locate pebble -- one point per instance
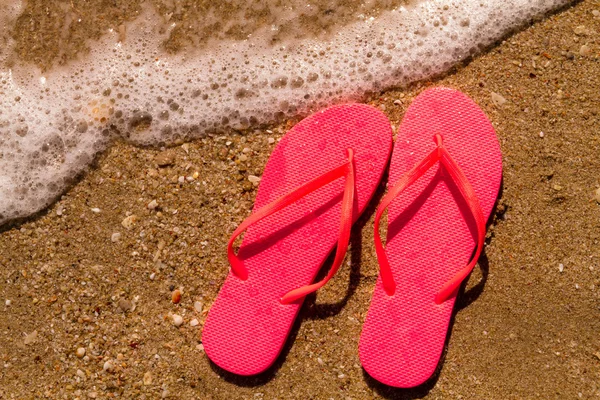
(194, 322)
(80, 352)
(498, 99)
(243, 158)
(8, 302)
(246, 150)
(597, 197)
(201, 347)
(596, 13)
(31, 338)
(254, 179)
(176, 296)
(108, 366)
(128, 222)
(561, 267)
(542, 134)
(579, 30)
(165, 158)
(198, 306)
(147, 378)
(341, 376)
(177, 320)
(125, 305)
(320, 361)
(152, 205)
(181, 179)
(80, 373)
(271, 140)
(585, 50)
(115, 237)
(95, 210)
(152, 275)
(186, 148)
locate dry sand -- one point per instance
(527, 326)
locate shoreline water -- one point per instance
(129, 87)
(526, 326)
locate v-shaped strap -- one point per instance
(346, 170)
(442, 155)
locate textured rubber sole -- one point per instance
(247, 325)
(431, 235)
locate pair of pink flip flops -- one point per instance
(445, 173)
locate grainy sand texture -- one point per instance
(87, 286)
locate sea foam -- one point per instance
(52, 124)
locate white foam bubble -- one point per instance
(53, 124)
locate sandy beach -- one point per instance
(86, 291)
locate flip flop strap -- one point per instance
(346, 170)
(442, 155)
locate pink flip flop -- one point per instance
(448, 166)
(316, 183)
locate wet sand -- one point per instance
(527, 325)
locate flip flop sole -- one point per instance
(431, 235)
(247, 325)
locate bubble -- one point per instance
(21, 130)
(279, 82)
(82, 126)
(140, 120)
(297, 82)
